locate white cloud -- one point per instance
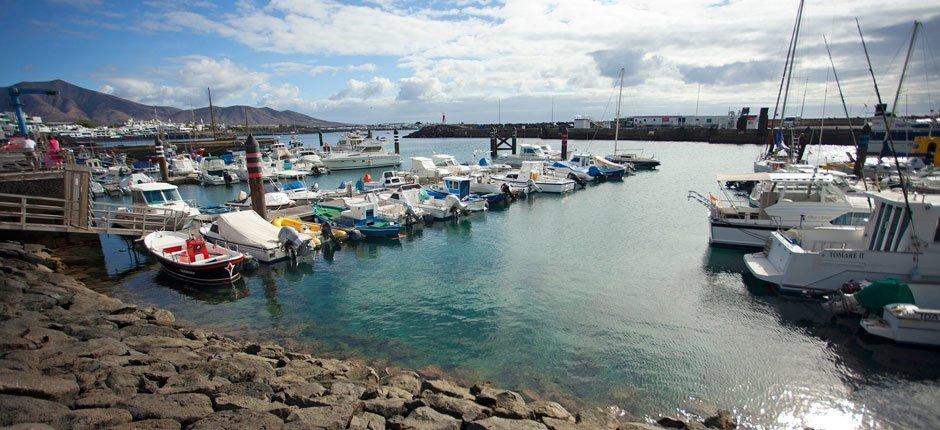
(468, 53)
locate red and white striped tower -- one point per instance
(255, 183)
(161, 158)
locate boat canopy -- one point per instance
(247, 227)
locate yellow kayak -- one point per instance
(311, 228)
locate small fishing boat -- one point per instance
(189, 258)
(298, 192)
(547, 182)
(449, 164)
(133, 179)
(527, 153)
(214, 171)
(272, 200)
(164, 200)
(361, 216)
(436, 209)
(638, 162)
(310, 228)
(460, 187)
(183, 165)
(248, 232)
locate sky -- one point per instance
(372, 61)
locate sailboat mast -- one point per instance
(889, 140)
(211, 113)
(617, 119)
(907, 60)
(783, 76)
(796, 38)
(859, 161)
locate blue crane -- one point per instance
(15, 94)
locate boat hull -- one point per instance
(920, 328)
(224, 272)
(364, 162)
(729, 235)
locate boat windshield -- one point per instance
(154, 197)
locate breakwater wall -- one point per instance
(71, 357)
(677, 134)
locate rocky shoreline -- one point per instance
(74, 358)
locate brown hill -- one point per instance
(74, 103)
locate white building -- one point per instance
(705, 121)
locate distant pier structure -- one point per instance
(503, 140)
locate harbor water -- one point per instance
(607, 296)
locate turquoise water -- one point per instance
(609, 295)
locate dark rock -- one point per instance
(258, 390)
(550, 410)
(184, 408)
(21, 409)
(154, 424)
(367, 421)
(234, 401)
(146, 343)
(671, 423)
(723, 420)
(598, 418)
(425, 418)
(98, 398)
(347, 389)
(241, 419)
(36, 385)
(386, 407)
(302, 395)
(150, 330)
(499, 423)
(408, 381)
(324, 417)
(192, 381)
(466, 410)
(95, 418)
(448, 388)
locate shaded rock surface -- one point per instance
(73, 358)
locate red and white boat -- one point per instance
(190, 258)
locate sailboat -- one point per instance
(630, 162)
(770, 160)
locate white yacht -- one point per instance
(354, 152)
(160, 200)
(424, 169)
(183, 165)
(894, 243)
(778, 201)
(449, 164)
(526, 153)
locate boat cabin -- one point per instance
(424, 168)
(213, 166)
(532, 152)
(391, 180)
(458, 185)
(893, 229)
(155, 193)
(360, 210)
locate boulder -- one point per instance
(550, 410)
(154, 424)
(21, 409)
(447, 388)
(258, 390)
(192, 381)
(466, 410)
(95, 418)
(367, 421)
(302, 394)
(184, 408)
(387, 408)
(499, 423)
(723, 420)
(234, 402)
(35, 384)
(408, 381)
(238, 419)
(98, 398)
(425, 418)
(323, 417)
(671, 423)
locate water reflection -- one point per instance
(211, 294)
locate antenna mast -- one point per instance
(617, 117)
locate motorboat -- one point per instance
(459, 186)
(299, 193)
(390, 180)
(273, 200)
(517, 182)
(249, 233)
(399, 212)
(545, 181)
(96, 188)
(593, 166)
(778, 201)
(896, 241)
(285, 169)
(310, 228)
(189, 258)
(133, 179)
(494, 192)
(96, 166)
(548, 150)
(436, 209)
(183, 165)
(361, 154)
(527, 152)
(638, 162)
(241, 167)
(214, 171)
(449, 164)
(424, 169)
(161, 197)
(308, 160)
(360, 215)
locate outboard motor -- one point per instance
(296, 244)
(228, 177)
(577, 179)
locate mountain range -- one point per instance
(74, 103)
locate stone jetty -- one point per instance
(71, 357)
